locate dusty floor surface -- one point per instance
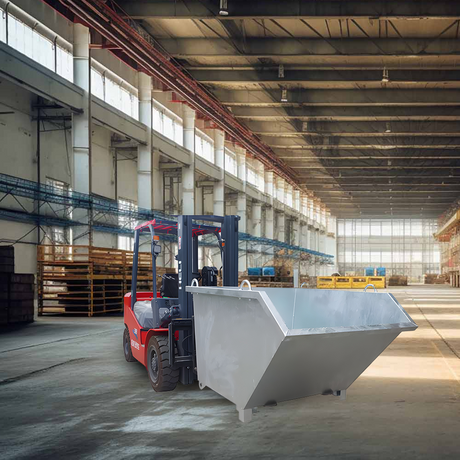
(67, 392)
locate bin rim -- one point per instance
(267, 304)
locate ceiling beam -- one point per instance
(351, 118)
(273, 48)
(340, 97)
(332, 127)
(346, 113)
(367, 157)
(387, 167)
(343, 147)
(396, 192)
(254, 9)
(336, 135)
(291, 77)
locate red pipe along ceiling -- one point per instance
(120, 30)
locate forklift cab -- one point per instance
(149, 315)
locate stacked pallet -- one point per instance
(87, 279)
(16, 291)
(431, 278)
(397, 280)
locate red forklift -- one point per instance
(159, 329)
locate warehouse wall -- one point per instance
(19, 144)
(403, 246)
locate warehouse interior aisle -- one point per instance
(65, 383)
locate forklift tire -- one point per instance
(127, 347)
(161, 375)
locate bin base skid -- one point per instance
(341, 393)
(245, 415)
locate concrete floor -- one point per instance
(66, 391)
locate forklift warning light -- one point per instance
(156, 237)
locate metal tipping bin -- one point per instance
(261, 345)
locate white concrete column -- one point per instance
(199, 200)
(81, 122)
(313, 245)
(280, 188)
(296, 228)
(269, 210)
(188, 172)
(242, 227)
(256, 228)
(241, 162)
(296, 200)
(144, 152)
(304, 241)
(241, 206)
(280, 226)
(81, 131)
(219, 186)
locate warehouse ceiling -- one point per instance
(360, 98)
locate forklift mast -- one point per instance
(188, 255)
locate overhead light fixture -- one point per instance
(281, 71)
(223, 10)
(305, 126)
(284, 97)
(388, 127)
(385, 77)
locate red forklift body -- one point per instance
(159, 330)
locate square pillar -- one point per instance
(219, 186)
(269, 210)
(149, 188)
(280, 189)
(81, 132)
(188, 172)
(296, 228)
(280, 226)
(256, 219)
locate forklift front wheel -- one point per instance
(127, 347)
(161, 375)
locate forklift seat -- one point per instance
(144, 313)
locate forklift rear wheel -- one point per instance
(127, 347)
(161, 375)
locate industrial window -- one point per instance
(115, 91)
(231, 165)
(97, 84)
(204, 146)
(251, 175)
(402, 246)
(48, 51)
(167, 123)
(127, 220)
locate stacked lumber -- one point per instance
(16, 291)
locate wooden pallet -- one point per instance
(89, 280)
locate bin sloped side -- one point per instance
(236, 339)
(312, 364)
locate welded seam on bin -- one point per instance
(400, 307)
